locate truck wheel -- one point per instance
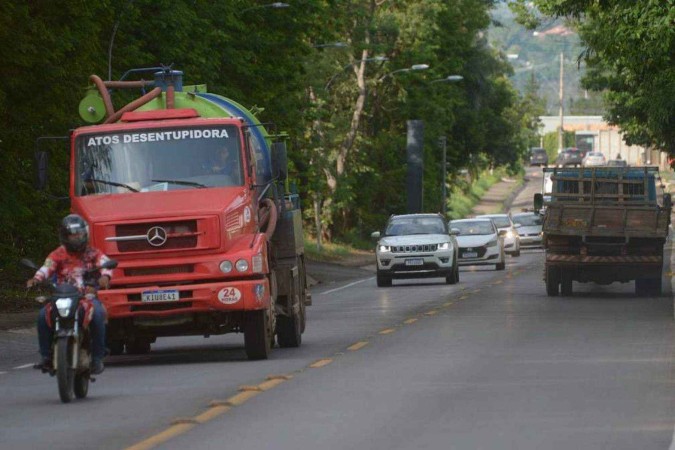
(116, 348)
(257, 340)
(566, 285)
(138, 346)
(383, 280)
(552, 282)
(289, 328)
(648, 286)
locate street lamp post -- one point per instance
(408, 69)
(448, 79)
(275, 5)
(331, 45)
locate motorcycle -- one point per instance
(71, 347)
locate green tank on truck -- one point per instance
(187, 190)
(603, 225)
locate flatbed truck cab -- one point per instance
(186, 190)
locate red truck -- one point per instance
(187, 190)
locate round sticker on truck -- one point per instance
(229, 295)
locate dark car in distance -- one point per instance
(538, 157)
(571, 156)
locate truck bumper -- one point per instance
(225, 296)
(606, 269)
(586, 259)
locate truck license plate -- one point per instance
(470, 255)
(160, 296)
(414, 262)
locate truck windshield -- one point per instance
(158, 159)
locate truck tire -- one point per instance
(139, 346)
(289, 328)
(116, 347)
(565, 285)
(257, 340)
(383, 280)
(552, 281)
(648, 287)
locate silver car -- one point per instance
(511, 237)
(416, 246)
(529, 229)
(480, 243)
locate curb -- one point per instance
(10, 321)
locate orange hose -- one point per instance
(109, 108)
(135, 104)
(268, 216)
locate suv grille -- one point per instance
(414, 248)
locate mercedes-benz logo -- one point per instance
(156, 236)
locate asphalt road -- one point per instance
(491, 363)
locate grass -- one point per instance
(464, 197)
(335, 252)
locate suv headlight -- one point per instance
(444, 246)
(384, 248)
(492, 243)
(509, 234)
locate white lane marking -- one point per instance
(672, 441)
(25, 366)
(346, 286)
(3, 373)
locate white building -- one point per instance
(605, 138)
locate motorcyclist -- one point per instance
(68, 264)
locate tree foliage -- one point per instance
(631, 53)
(348, 154)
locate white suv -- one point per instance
(416, 246)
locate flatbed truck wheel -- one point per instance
(289, 328)
(566, 285)
(552, 281)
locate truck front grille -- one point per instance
(167, 270)
(176, 235)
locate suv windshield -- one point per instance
(473, 228)
(159, 159)
(400, 226)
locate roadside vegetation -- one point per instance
(466, 194)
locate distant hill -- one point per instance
(537, 53)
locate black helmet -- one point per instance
(74, 233)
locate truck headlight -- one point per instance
(226, 267)
(242, 265)
(444, 246)
(384, 248)
(63, 305)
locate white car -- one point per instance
(504, 223)
(529, 229)
(593, 159)
(479, 242)
(416, 246)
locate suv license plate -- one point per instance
(160, 296)
(414, 262)
(470, 255)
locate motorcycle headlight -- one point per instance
(384, 248)
(492, 243)
(63, 305)
(242, 265)
(444, 246)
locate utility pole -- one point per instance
(561, 98)
(443, 141)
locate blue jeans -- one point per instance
(96, 329)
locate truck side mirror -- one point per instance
(667, 201)
(42, 169)
(538, 202)
(279, 161)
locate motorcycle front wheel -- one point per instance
(65, 374)
(81, 386)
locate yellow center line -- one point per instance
(430, 313)
(409, 321)
(160, 438)
(498, 282)
(387, 331)
(463, 297)
(358, 346)
(212, 413)
(446, 304)
(240, 398)
(321, 363)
